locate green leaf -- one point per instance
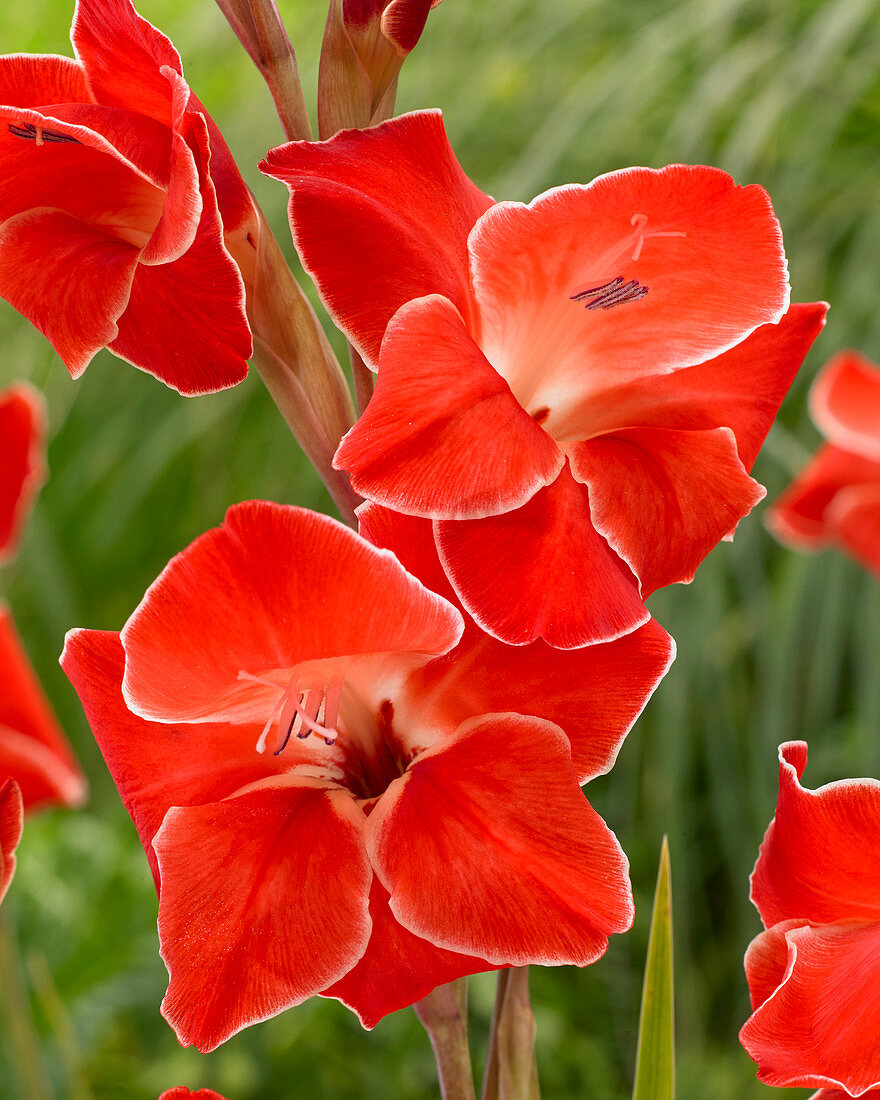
(655, 1060)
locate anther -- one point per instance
(611, 294)
(35, 133)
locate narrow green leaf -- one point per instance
(655, 1060)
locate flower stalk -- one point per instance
(298, 366)
(260, 29)
(511, 1068)
(19, 1026)
(443, 1014)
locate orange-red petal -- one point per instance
(845, 404)
(22, 442)
(11, 824)
(488, 847)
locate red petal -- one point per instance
(487, 846)
(180, 1093)
(28, 80)
(443, 436)
(33, 750)
(274, 586)
(391, 204)
(854, 516)
(718, 276)
(398, 968)
(820, 1027)
(839, 1094)
(69, 279)
(817, 861)
(741, 389)
(845, 403)
(663, 498)
(262, 904)
(157, 766)
(595, 693)
(22, 469)
(198, 298)
(542, 571)
(123, 55)
(11, 823)
(799, 515)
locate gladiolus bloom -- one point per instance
(22, 434)
(835, 500)
(813, 974)
(33, 750)
(121, 207)
(572, 390)
(331, 803)
(180, 1093)
(11, 820)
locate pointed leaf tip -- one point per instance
(655, 1059)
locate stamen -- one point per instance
(300, 712)
(30, 132)
(611, 294)
(640, 221)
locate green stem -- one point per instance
(443, 1014)
(511, 1069)
(26, 1053)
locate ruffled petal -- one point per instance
(818, 859)
(200, 299)
(854, 517)
(487, 846)
(799, 516)
(709, 253)
(398, 968)
(22, 468)
(821, 1025)
(123, 56)
(390, 203)
(33, 750)
(71, 280)
(262, 904)
(740, 389)
(664, 498)
(542, 571)
(11, 824)
(443, 436)
(154, 765)
(594, 693)
(274, 586)
(845, 404)
(36, 80)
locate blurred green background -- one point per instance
(771, 645)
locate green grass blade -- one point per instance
(655, 1060)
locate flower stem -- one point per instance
(16, 1008)
(511, 1069)
(443, 1014)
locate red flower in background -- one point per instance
(835, 500)
(573, 390)
(405, 826)
(11, 821)
(22, 436)
(33, 750)
(814, 974)
(180, 1093)
(121, 207)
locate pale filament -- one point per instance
(300, 712)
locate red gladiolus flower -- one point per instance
(332, 804)
(121, 207)
(813, 974)
(33, 750)
(836, 499)
(11, 820)
(573, 390)
(22, 432)
(180, 1093)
